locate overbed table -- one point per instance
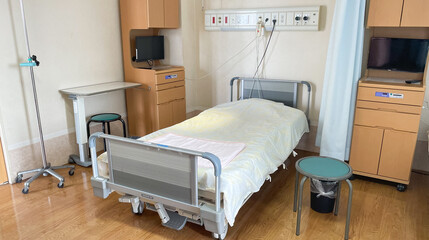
(78, 94)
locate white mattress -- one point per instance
(270, 131)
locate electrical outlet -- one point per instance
(207, 20)
(275, 16)
(213, 20)
(290, 18)
(226, 20)
(267, 16)
(219, 20)
(232, 20)
(298, 19)
(282, 19)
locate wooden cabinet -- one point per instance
(398, 13)
(159, 104)
(415, 13)
(161, 101)
(385, 129)
(145, 14)
(3, 173)
(385, 13)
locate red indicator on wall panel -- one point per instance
(213, 20)
(226, 20)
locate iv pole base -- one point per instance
(48, 170)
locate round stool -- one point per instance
(106, 118)
(324, 169)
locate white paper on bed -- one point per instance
(225, 151)
(270, 131)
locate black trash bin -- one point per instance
(323, 194)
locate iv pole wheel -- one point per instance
(71, 172)
(60, 185)
(18, 179)
(25, 190)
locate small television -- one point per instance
(149, 48)
(398, 54)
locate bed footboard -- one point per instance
(164, 176)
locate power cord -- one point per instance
(262, 59)
(223, 64)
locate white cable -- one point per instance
(223, 64)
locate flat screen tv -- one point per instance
(149, 48)
(398, 54)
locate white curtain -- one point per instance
(342, 72)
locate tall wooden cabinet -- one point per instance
(160, 102)
(386, 123)
(398, 13)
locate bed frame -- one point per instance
(165, 179)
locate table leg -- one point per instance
(349, 208)
(81, 138)
(298, 218)
(296, 190)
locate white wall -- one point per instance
(294, 55)
(78, 43)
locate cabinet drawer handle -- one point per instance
(387, 109)
(388, 128)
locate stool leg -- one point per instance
(103, 127)
(296, 191)
(87, 128)
(298, 218)
(124, 127)
(337, 201)
(108, 128)
(349, 208)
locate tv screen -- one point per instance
(149, 48)
(398, 54)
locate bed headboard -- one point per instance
(284, 91)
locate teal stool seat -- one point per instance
(324, 169)
(105, 117)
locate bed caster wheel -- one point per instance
(25, 190)
(401, 187)
(71, 172)
(18, 179)
(140, 209)
(60, 185)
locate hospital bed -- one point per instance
(169, 180)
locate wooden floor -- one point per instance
(378, 212)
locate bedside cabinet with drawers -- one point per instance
(386, 123)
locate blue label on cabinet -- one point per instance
(381, 94)
(171, 76)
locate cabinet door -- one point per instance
(165, 115)
(179, 111)
(397, 154)
(385, 13)
(366, 147)
(171, 13)
(415, 13)
(155, 13)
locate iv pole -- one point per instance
(47, 168)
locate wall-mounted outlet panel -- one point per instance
(288, 19)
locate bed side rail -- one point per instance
(285, 91)
(154, 172)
